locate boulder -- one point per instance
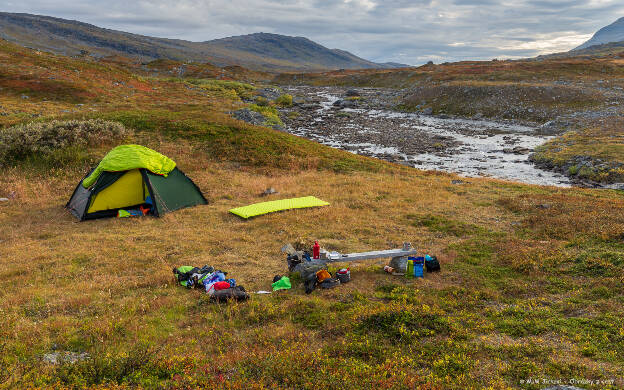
(269, 93)
(64, 357)
(343, 103)
(553, 127)
(517, 150)
(249, 116)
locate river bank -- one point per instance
(363, 121)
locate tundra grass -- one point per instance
(530, 290)
(526, 292)
(593, 152)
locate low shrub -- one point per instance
(262, 101)
(270, 114)
(407, 325)
(139, 365)
(58, 141)
(284, 100)
(453, 365)
(233, 89)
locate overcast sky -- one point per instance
(411, 32)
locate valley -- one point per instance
(509, 172)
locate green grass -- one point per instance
(602, 145)
(226, 88)
(224, 139)
(444, 225)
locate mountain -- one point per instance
(595, 51)
(611, 33)
(262, 51)
(294, 51)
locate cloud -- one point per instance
(408, 31)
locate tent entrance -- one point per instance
(127, 191)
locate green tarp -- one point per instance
(277, 205)
(128, 157)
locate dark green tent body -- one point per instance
(110, 191)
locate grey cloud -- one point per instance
(409, 31)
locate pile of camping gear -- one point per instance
(312, 267)
(316, 276)
(413, 266)
(215, 282)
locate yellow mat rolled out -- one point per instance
(277, 205)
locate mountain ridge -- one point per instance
(262, 51)
(608, 34)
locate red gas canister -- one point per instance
(316, 250)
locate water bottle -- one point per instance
(316, 250)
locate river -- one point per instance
(470, 148)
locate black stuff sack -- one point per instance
(432, 264)
(330, 283)
(236, 293)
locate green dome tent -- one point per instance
(132, 177)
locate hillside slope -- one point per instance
(611, 33)
(530, 287)
(260, 51)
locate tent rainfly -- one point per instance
(132, 177)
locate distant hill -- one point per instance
(595, 51)
(270, 52)
(611, 33)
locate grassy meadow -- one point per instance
(530, 291)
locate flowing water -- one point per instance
(470, 148)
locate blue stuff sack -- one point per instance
(419, 264)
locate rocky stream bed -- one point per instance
(362, 121)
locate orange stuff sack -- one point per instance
(322, 275)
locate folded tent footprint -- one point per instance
(130, 180)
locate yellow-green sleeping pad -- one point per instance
(277, 205)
